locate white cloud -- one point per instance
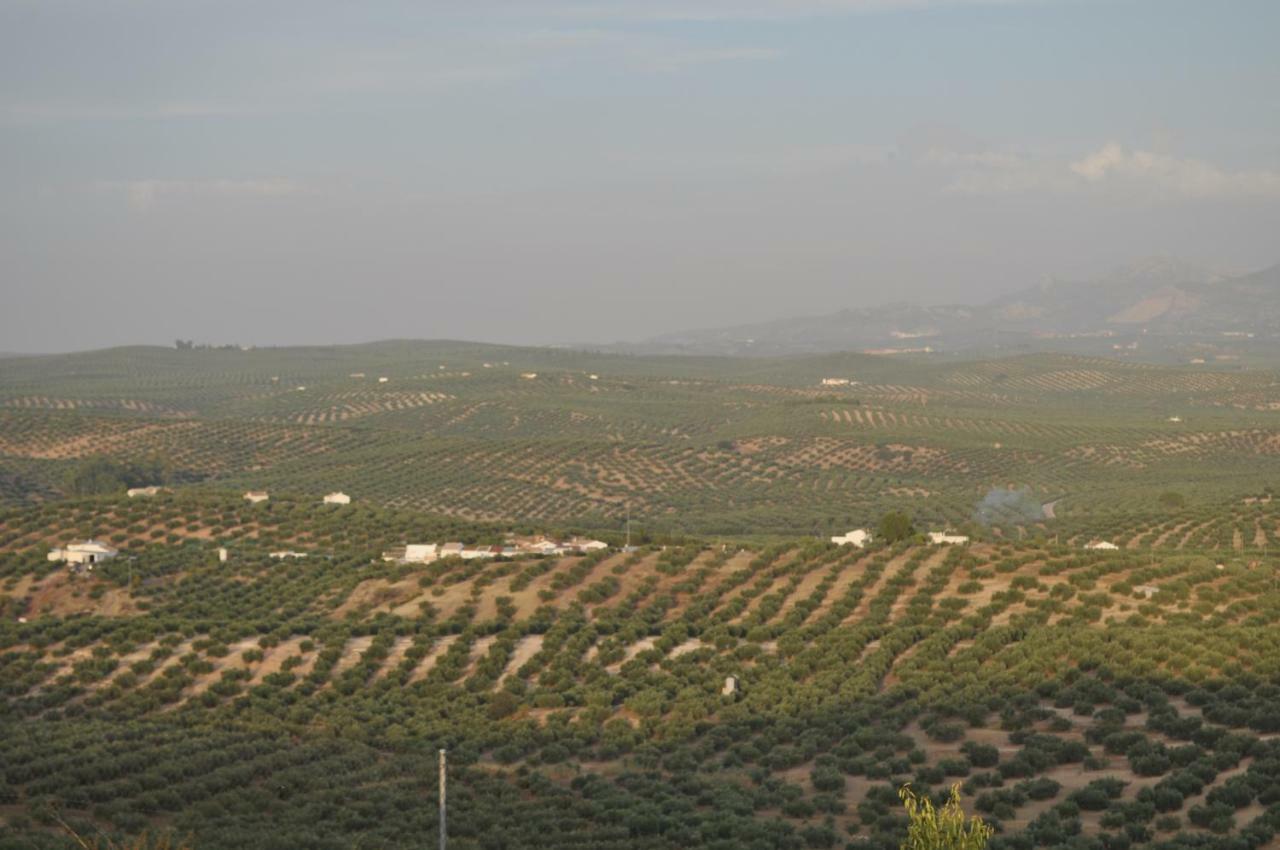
(1191, 178)
(142, 195)
(1112, 168)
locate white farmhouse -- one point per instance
(528, 376)
(859, 537)
(835, 382)
(87, 553)
(1101, 544)
(414, 553)
(583, 544)
(134, 492)
(940, 538)
(256, 496)
(337, 498)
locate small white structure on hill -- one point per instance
(730, 686)
(1147, 590)
(939, 538)
(87, 553)
(414, 553)
(134, 492)
(286, 553)
(858, 537)
(528, 376)
(256, 496)
(383, 380)
(222, 554)
(1101, 544)
(337, 498)
(835, 382)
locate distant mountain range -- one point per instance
(1154, 310)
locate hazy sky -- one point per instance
(593, 170)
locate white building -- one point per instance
(835, 382)
(383, 380)
(284, 554)
(1101, 544)
(337, 498)
(255, 496)
(858, 537)
(939, 538)
(134, 492)
(730, 686)
(88, 553)
(528, 376)
(583, 544)
(414, 553)
(222, 554)
(1147, 590)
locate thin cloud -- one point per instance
(142, 195)
(672, 60)
(721, 10)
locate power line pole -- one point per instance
(628, 525)
(443, 780)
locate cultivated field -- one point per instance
(692, 445)
(733, 681)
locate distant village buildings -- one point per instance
(945, 538)
(859, 537)
(86, 553)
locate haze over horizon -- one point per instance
(555, 172)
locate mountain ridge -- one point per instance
(1179, 309)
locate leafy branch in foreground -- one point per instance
(946, 828)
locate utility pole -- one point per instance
(628, 525)
(443, 781)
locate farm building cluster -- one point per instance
(425, 553)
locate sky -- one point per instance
(275, 172)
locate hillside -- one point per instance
(256, 703)
(1157, 310)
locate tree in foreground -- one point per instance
(931, 828)
(895, 527)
